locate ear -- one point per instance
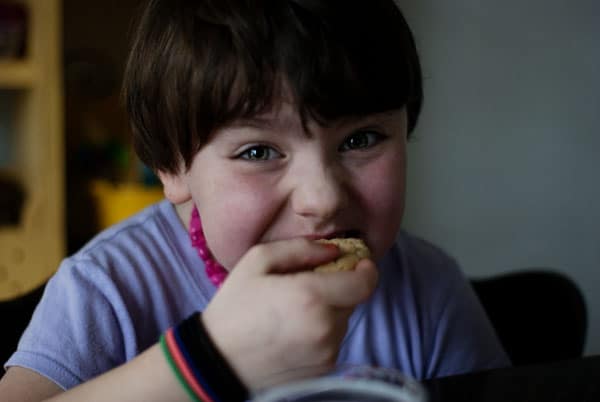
(175, 187)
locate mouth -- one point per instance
(346, 234)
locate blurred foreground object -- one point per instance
(347, 383)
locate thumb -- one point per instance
(348, 288)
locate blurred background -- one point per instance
(502, 171)
(99, 156)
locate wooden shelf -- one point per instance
(17, 75)
(31, 252)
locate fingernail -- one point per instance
(330, 246)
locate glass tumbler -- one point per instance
(349, 384)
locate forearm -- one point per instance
(148, 378)
(264, 329)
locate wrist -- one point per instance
(199, 365)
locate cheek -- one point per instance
(233, 221)
(382, 188)
(383, 185)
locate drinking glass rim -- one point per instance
(370, 387)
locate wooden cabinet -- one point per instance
(32, 87)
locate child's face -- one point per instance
(266, 179)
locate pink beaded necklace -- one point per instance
(215, 271)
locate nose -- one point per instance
(319, 193)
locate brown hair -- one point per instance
(197, 65)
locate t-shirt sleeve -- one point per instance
(463, 339)
(75, 332)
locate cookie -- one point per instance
(352, 251)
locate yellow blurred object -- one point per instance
(116, 202)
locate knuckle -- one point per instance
(308, 297)
(305, 302)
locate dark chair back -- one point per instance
(540, 315)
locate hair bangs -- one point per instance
(198, 66)
(322, 60)
(338, 65)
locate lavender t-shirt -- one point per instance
(113, 299)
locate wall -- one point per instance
(504, 171)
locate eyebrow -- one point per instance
(265, 123)
(373, 118)
(258, 122)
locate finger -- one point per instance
(287, 256)
(348, 288)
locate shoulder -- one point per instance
(424, 315)
(424, 266)
(132, 251)
(111, 299)
(417, 279)
(420, 252)
(137, 234)
(129, 263)
(117, 266)
(418, 276)
(457, 335)
(431, 276)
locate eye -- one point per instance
(259, 153)
(361, 140)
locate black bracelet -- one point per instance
(210, 361)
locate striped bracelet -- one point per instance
(198, 364)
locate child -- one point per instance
(271, 123)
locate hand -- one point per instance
(274, 319)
